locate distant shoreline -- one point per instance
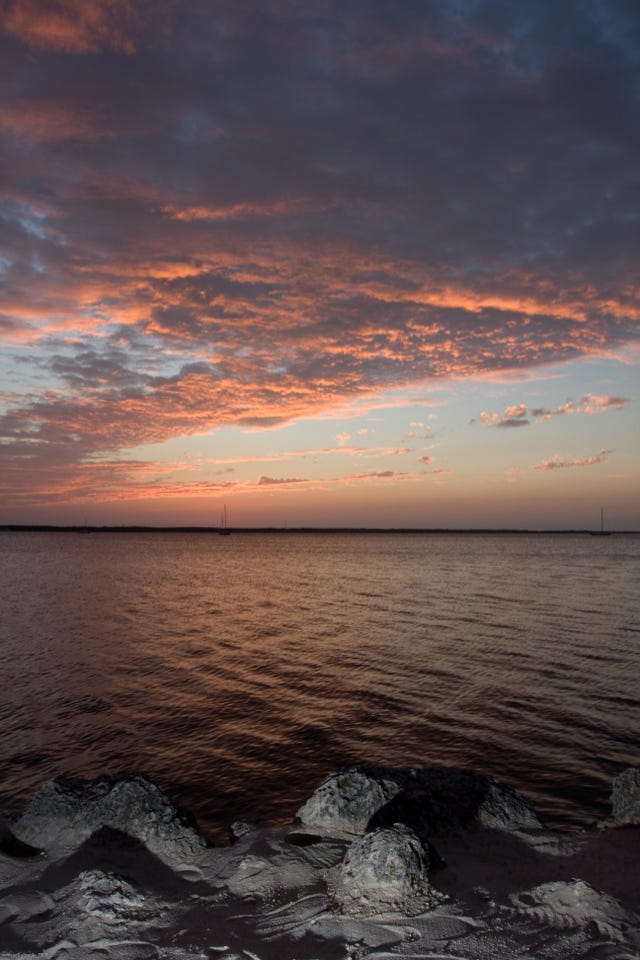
(137, 528)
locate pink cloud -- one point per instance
(517, 411)
(517, 415)
(559, 462)
(591, 404)
(513, 417)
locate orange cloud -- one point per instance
(72, 26)
(49, 120)
(237, 211)
(169, 269)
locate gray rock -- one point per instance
(242, 828)
(428, 800)
(625, 797)
(106, 895)
(386, 871)
(346, 801)
(11, 846)
(64, 813)
(501, 808)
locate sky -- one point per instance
(322, 262)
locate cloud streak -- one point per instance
(560, 462)
(520, 416)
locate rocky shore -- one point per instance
(385, 863)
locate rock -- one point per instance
(428, 800)
(386, 871)
(98, 893)
(625, 797)
(501, 808)
(11, 846)
(66, 812)
(574, 903)
(346, 801)
(242, 828)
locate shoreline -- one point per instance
(378, 863)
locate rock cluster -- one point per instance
(428, 800)
(64, 813)
(386, 871)
(392, 812)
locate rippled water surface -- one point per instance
(238, 671)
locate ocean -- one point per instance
(237, 672)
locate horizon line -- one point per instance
(194, 528)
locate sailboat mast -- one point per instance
(223, 521)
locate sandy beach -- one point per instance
(111, 869)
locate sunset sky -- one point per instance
(327, 262)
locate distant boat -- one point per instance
(224, 529)
(601, 532)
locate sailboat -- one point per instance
(224, 529)
(601, 532)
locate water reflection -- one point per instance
(239, 673)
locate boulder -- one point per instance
(428, 800)
(64, 813)
(346, 801)
(501, 808)
(625, 797)
(386, 871)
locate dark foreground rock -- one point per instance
(386, 871)
(64, 813)
(11, 846)
(428, 800)
(625, 797)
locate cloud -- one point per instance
(72, 26)
(249, 214)
(377, 475)
(516, 416)
(516, 412)
(279, 481)
(513, 417)
(560, 462)
(541, 413)
(592, 404)
(105, 481)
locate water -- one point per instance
(238, 671)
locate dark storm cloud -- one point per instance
(312, 200)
